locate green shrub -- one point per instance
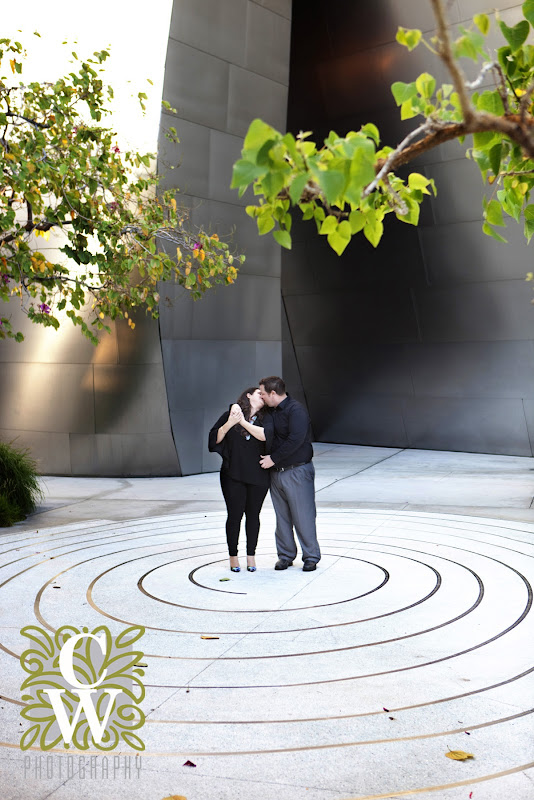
(19, 484)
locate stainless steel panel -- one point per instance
(246, 310)
(196, 84)
(131, 399)
(368, 369)
(251, 96)
(47, 346)
(470, 425)
(51, 451)
(282, 7)
(224, 151)
(47, 398)
(462, 253)
(364, 419)
(268, 359)
(175, 312)
(343, 318)
(140, 345)
(233, 225)
(495, 311)
(132, 455)
(267, 48)
(188, 432)
(214, 27)
(201, 373)
(190, 158)
(472, 369)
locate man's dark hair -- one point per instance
(273, 384)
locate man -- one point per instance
(292, 476)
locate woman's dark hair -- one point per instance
(244, 404)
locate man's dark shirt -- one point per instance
(292, 434)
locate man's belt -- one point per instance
(291, 466)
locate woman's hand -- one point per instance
(236, 415)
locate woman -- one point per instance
(241, 436)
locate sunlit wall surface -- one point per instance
(426, 342)
(83, 410)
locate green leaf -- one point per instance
(490, 101)
(482, 22)
(495, 156)
(331, 182)
(489, 231)
(410, 38)
(464, 48)
(258, 133)
(265, 224)
(356, 221)
(402, 92)
(297, 187)
(371, 131)
(245, 172)
(418, 181)
(529, 222)
(283, 238)
(337, 242)
(426, 85)
(517, 35)
(373, 229)
(329, 225)
(493, 213)
(528, 11)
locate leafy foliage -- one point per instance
(19, 484)
(349, 183)
(62, 173)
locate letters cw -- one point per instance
(84, 692)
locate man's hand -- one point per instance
(266, 462)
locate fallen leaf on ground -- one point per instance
(175, 797)
(224, 579)
(189, 764)
(209, 637)
(459, 755)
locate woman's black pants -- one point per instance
(242, 498)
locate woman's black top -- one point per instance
(241, 451)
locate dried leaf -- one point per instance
(459, 755)
(175, 797)
(224, 579)
(189, 764)
(209, 637)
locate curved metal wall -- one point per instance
(428, 341)
(227, 63)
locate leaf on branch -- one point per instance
(372, 131)
(283, 238)
(409, 37)
(529, 222)
(528, 11)
(493, 233)
(493, 214)
(403, 91)
(482, 22)
(517, 35)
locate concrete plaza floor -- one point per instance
(415, 635)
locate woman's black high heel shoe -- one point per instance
(251, 568)
(234, 569)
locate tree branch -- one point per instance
(446, 54)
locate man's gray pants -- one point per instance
(293, 496)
